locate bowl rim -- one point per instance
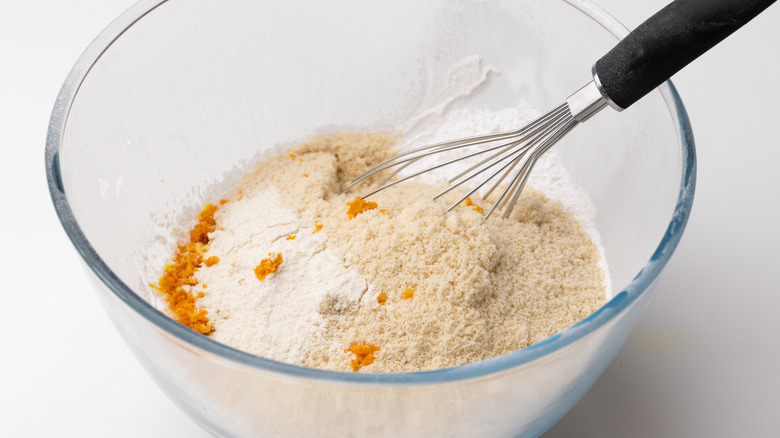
(620, 302)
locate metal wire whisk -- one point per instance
(648, 56)
(509, 149)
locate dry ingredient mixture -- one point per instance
(290, 269)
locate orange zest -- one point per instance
(382, 298)
(317, 227)
(359, 206)
(211, 261)
(268, 265)
(364, 355)
(176, 283)
(408, 294)
(474, 206)
(291, 237)
(206, 224)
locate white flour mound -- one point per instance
(277, 317)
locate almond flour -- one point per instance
(400, 286)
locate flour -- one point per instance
(479, 288)
(275, 318)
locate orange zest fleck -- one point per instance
(408, 294)
(291, 237)
(359, 206)
(292, 155)
(206, 224)
(305, 175)
(474, 206)
(364, 355)
(223, 201)
(382, 298)
(211, 261)
(317, 227)
(384, 211)
(268, 265)
(176, 283)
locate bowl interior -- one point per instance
(194, 92)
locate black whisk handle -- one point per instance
(667, 42)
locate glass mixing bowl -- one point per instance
(176, 97)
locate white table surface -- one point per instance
(703, 361)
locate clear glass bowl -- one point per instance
(176, 96)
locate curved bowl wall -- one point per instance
(177, 97)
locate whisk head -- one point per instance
(510, 157)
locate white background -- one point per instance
(704, 360)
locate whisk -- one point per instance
(648, 56)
